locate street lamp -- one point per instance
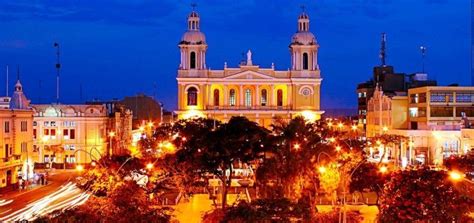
(338, 148)
(383, 169)
(456, 175)
(111, 135)
(296, 146)
(80, 168)
(149, 166)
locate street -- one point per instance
(60, 193)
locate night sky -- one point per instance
(122, 47)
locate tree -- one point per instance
(421, 194)
(368, 177)
(464, 163)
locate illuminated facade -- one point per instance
(16, 140)
(260, 94)
(68, 134)
(437, 121)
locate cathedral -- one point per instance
(262, 94)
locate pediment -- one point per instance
(248, 74)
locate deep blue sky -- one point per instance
(121, 47)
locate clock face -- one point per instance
(306, 92)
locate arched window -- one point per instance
(232, 97)
(216, 97)
(193, 60)
(279, 97)
(263, 99)
(248, 98)
(305, 61)
(192, 96)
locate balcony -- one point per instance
(243, 108)
(10, 161)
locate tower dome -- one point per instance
(19, 100)
(193, 35)
(303, 36)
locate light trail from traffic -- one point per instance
(68, 196)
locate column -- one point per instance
(271, 95)
(257, 93)
(241, 90)
(209, 93)
(226, 92)
(289, 94)
(180, 98)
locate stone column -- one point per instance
(226, 92)
(271, 95)
(241, 90)
(257, 93)
(289, 94)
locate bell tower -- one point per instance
(193, 45)
(304, 47)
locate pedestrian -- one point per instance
(20, 183)
(42, 179)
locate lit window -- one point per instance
(192, 96)
(279, 97)
(232, 97)
(264, 97)
(216, 97)
(248, 98)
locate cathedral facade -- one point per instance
(258, 93)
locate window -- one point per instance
(264, 97)
(469, 111)
(232, 97)
(464, 97)
(66, 133)
(7, 151)
(192, 96)
(305, 61)
(24, 126)
(46, 159)
(24, 147)
(53, 132)
(70, 159)
(248, 98)
(193, 60)
(441, 97)
(279, 97)
(441, 111)
(46, 124)
(34, 133)
(46, 132)
(72, 134)
(35, 123)
(7, 127)
(216, 97)
(69, 124)
(53, 124)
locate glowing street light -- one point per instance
(93, 163)
(322, 169)
(456, 176)
(80, 168)
(338, 148)
(150, 124)
(354, 127)
(385, 129)
(383, 169)
(141, 128)
(340, 125)
(149, 166)
(296, 146)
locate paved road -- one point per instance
(58, 194)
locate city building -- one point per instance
(258, 93)
(65, 135)
(435, 122)
(386, 111)
(16, 141)
(389, 81)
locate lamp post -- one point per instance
(111, 136)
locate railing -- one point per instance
(257, 107)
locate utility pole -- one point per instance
(423, 55)
(58, 67)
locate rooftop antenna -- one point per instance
(423, 55)
(7, 82)
(383, 49)
(58, 67)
